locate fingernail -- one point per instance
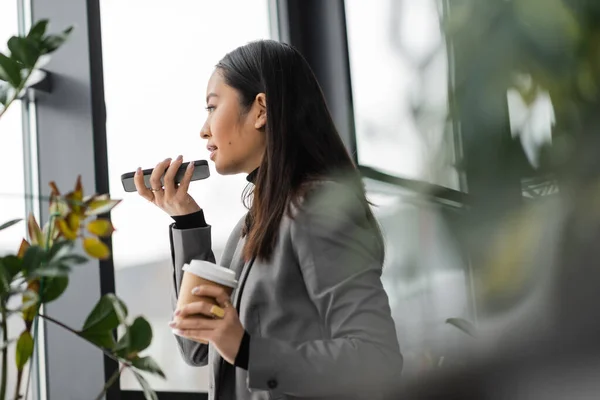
(217, 311)
(190, 165)
(177, 312)
(168, 159)
(178, 332)
(195, 290)
(138, 171)
(172, 324)
(179, 157)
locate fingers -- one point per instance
(194, 323)
(200, 307)
(142, 190)
(202, 336)
(157, 173)
(216, 292)
(169, 179)
(187, 178)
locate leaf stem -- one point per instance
(73, 331)
(17, 91)
(18, 384)
(36, 320)
(50, 232)
(111, 381)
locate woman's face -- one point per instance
(236, 139)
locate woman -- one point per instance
(310, 318)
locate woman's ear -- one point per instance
(261, 116)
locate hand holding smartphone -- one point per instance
(201, 171)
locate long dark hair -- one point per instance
(302, 143)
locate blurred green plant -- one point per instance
(524, 216)
(38, 273)
(533, 48)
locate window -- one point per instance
(424, 274)
(399, 72)
(11, 151)
(156, 71)
(12, 194)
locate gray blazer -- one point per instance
(317, 313)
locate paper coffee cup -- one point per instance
(198, 273)
(218, 275)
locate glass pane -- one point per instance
(12, 198)
(424, 275)
(158, 57)
(399, 72)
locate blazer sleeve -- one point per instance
(341, 261)
(187, 245)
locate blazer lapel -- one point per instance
(237, 296)
(241, 269)
(214, 360)
(238, 265)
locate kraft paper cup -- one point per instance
(199, 272)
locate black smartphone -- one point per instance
(201, 171)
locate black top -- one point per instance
(196, 220)
(190, 221)
(252, 176)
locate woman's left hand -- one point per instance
(225, 331)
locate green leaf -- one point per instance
(54, 288)
(141, 334)
(34, 256)
(149, 394)
(123, 345)
(73, 259)
(13, 264)
(38, 30)
(149, 365)
(52, 42)
(61, 259)
(10, 71)
(9, 267)
(463, 325)
(10, 223)
(3, 77)
(108, 313)
(102, 339)
(5, 280)
(24, 50)
(24, 349)
(137, 338)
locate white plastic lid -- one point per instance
(211, 272)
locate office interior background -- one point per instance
(454, 175)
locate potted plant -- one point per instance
(38, 272)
